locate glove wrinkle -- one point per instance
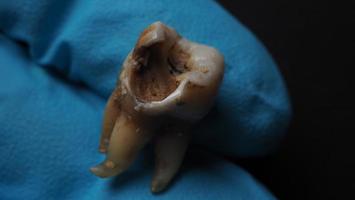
(59, 61)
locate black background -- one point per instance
(312, 43)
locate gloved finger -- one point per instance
(87, 41)
(48, 129)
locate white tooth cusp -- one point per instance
(167, 83)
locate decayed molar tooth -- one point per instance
(166, 81)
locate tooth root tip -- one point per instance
(94, 170)
(106, 170)
(102, 150)
(158, 186)
(98, 172)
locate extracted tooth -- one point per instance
(167, 83)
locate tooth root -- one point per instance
(112, 112)
(170, 150)
(124, 145)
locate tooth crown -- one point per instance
(189, 74)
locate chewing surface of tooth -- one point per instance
(167, 83)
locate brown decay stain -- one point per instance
(157, 79)
(117, 94)
(149, 87)
(194, 85)
(204, 70)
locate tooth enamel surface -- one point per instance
(166, 84)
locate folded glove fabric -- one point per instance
(59, 61)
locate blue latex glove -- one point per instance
(58, 63)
